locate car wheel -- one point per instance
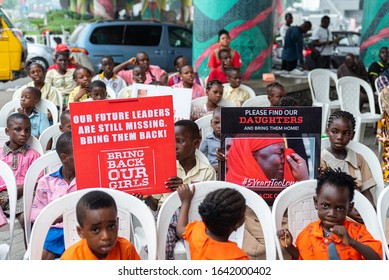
(41, 61)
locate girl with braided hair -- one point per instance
(222, 212)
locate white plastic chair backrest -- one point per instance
(250, 91)
(204, 124)
(52, 132)
(253, 200)
(376, 86)
(127, 205)
(111, 93)
(372, 161)
(33, 142)
(298, 201)
(319, 81)
(125, 92)
(8, 177)
(199, 101)
(349, 90)
(325, 113)
(257, 101)
(382, 213)
(44, 106)
(47, 164)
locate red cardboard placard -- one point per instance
(124, 144)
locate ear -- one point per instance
(269, 97)
(7, 131)
(196, 143)
(328, 132)
(350, 207)
(80, 232)
(61, 127)
(63, 157)
(315, 201)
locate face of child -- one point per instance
(185, 145)
(340, 133)
(66, 125)
(19, 130)
(383, 54)
(332, 205)
(139, 76)
(98, 93)
(215, 123)
(225, 59)
(215, 94)
(187, 74)
(224, 41)
(271, 160)
(62, 62)
(100, 230)
(28, 99)
(37, 74)
(181, 61)
(143, 59)
(83, 78)
(276, 94)
(107, 66)
(234, 78)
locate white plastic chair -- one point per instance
(127, 206)
(319, 81)
(199, 101)
(349, 96)
(298, 201)
(242, 86)
(44, 106)
(125, 92)
(204, 124)
(47, 164)
(33, 142)
(257, 101)
(18, 92)
(52, 132)
(382, 213)
(8, 177)
(111, 93)
(377, 91)
(253, 200)
(371, 159)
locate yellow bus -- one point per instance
(13, 50)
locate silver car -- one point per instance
(42, 54)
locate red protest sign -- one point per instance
(124, 144)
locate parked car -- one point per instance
(39, 53)
(123, 39)
(348, 42)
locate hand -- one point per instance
(185, 193)
(299, 167)
(80, 94)
(285, 237)
(73, 60)
(174, 183)
(342, 233)
(132, 61)
(220, 156)
(354, 214)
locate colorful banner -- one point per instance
(182, 97)
(259, 141)
(124, 144)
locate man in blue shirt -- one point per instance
(293, 48)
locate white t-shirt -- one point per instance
(323, 35)
(283, 31)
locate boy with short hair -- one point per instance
(211, 142)
(233, 92)
(97, 91)
(54, 186)
(29, 98)
(332, 236)
(19, 156)
(65, 123)
(98, 227)
(219, 73)
(108, 76)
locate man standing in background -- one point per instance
(285, 27)
(322, 41)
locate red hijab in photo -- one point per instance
(242, 165)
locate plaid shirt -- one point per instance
(7, 150)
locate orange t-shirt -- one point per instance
(312, 245)
(202, 247)
(123, 250)
(214, 61)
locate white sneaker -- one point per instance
(296, 72)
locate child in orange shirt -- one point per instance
(98, 227)
(332, 236)
(220, 73)
(222, 212)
